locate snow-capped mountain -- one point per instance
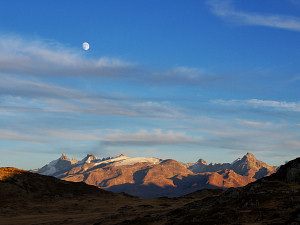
(89, 158)
(153, 177)
(63, 164)
(57, 167)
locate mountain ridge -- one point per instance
(152, 177)
(30, 198)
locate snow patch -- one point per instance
(119, 158)
(52, 163)
(132, 161)
(238, 159)
(50, 171)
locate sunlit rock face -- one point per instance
(247, 166)
(148, 177)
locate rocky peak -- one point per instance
(201, 161)
(169, 161)
(249, 160)
(250, 166)
(89, 158)
(198, 167)
(249, 156)
(74, 161)
(64, 157)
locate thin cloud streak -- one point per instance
(34, 96)
(16, 136)
(279, 105)
(186, 76)
(255, 124)
(226, 10)
(42, 58)
(148, 138)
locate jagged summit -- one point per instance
(89, 158)
(64, 157)
(249, 156)
(202, 161)
(270, 200)
(133, 175)
(248, 165)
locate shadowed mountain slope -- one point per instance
(152, 177)
(248, 166)
(272, 200)
(28, 198)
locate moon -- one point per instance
(85, 46)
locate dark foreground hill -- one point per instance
(28, 198)
(271, 200)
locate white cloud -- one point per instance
(16, 136)
(293, 106)
(45, 58)
(279, 105)
(147, 138)
(40, 57)
(67, 134)
(291, 145)
(15, 86)
(254, 123)
(185, 76)
(225, 9)
(26, 95)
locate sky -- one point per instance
(211, 79)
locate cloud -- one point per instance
(294, 106)
(186, 76)
(16, 136)
(67, 134)
(20, 95)
(226, 10)
(258, 140)
(243, 135)
(37, 135)
(291, 144)
(15, 86)
(44, 58)
(279, 105)
(254, 123)
(147, 138)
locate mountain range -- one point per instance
(152, 177)
(31, 198)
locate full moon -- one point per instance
(85, 46)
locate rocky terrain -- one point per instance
(28, 198)
(246, 166)
(152, 177)
(270, 200)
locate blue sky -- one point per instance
(210, 79)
